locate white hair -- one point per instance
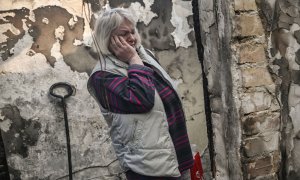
(108, 21)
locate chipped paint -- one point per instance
(4, 16)
(74, 7)
(5, 125)
(16, 63)
(31, 16)
(72, 22)
(45, 20)
(59, 33)
(7, 27)
(141, 13)
(77, 42)
(55, 51)
(87, 33)
(180, 11)
(51, 47)
(281, 20)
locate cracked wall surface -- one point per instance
(216, 37)
(283, 25)
(43, 42)
(255, 45)
(245, 108)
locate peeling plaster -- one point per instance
(51, 49)
(77, 42)
(59, 33)
(5, 125)
(16, 63)
(284, 47)
(18, 21)
(40, 71)
(74, 7)
(7, 27)
(72, 22)
(45, 20)
(180, 11)
(157, 35)
(290, 53)
(87, 40)
(147, 13)
(4, 16)
(45, 35)
(143, 13)
(31, 16)
(32, 99)
(55, 51)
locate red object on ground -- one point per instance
(197, 170)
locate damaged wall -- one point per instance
(282, 22)
(215, 28)
(251, 62)
(267, 55)
(44, 42)
(259, 106)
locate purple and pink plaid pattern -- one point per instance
(135, 94)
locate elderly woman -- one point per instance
(139, 102)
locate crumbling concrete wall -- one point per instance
(216, 34)
(282, 22)
(33, 58)
(43, 42)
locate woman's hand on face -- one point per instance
(123, 51)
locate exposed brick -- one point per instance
(252, 53)
(245, 5)
(260, 122)
(262, 167)
(283, 25)
(286, 18)
(254, 102)
(293, 11)
(248, 25)
(256, 77)
(268, 177)
(297, 20)
(262, 145)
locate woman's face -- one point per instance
(127, 31)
